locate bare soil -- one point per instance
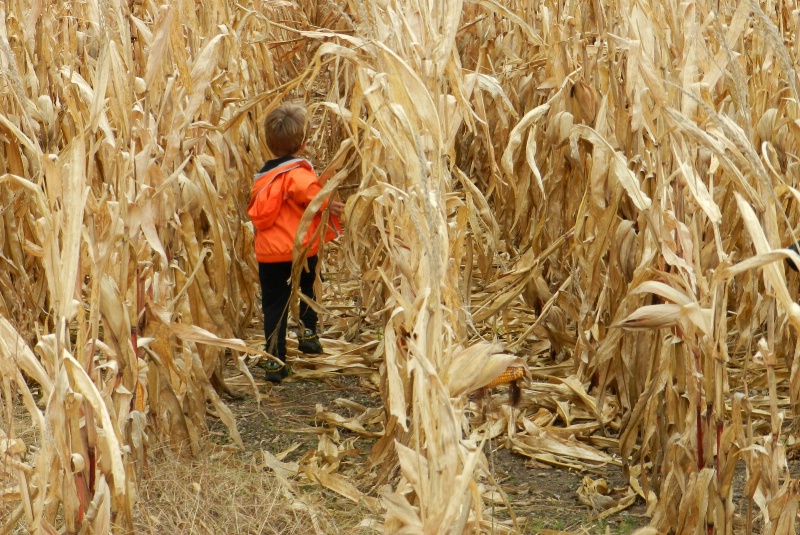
(544, 499)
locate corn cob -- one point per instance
(512, 373)
(511, 376)
(139, 398)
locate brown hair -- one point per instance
(286, 129)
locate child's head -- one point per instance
(286, 129)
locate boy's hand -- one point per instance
(336, 208)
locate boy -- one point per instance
(281, 192)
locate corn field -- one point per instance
(601, 193)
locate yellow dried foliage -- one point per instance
(598, 192)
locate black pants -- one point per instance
(275, 291)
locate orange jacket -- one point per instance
(300, 185)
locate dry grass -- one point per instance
(218, 493)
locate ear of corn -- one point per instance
(511, 374)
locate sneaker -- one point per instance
(308, 342)
(275, 371)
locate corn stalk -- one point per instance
(603, 188)
(127, 271)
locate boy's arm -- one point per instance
(305, 186)
(336, 206)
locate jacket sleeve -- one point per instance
(303, 187)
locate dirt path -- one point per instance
(544, 499)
